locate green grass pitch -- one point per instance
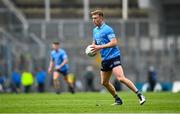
(163, 102)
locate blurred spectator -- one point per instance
(79, 85)
(40, 78)
(89, 79)
(27, 81)
(16, 81)
(152, 78)
(2, 82)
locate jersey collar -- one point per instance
(102, 25)
(57, 50)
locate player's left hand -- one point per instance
(96, 48)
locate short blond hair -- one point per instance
(56, 43)
(97, 12)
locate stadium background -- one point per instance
(150, 35)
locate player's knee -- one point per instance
(55, 79)
(121, 79)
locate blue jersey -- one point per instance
(58, 57)
(102, 35)
(41, 76)
(16, 77)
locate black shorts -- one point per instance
(64, 73)
(108, 65)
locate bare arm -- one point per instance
(112, 43)
(65, 61)
(51, 65)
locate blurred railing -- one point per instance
(70, 29)
(139, 50)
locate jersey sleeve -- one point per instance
(111, 34)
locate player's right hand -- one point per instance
(96, 48)
(49, 70)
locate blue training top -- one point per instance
(58, 56)
(16, 77)
(102, 35)
(41, 76)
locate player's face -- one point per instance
(97, 20)
(55, 47)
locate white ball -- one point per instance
(89, 51)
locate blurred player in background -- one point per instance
(105, 40)
(58, 65)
